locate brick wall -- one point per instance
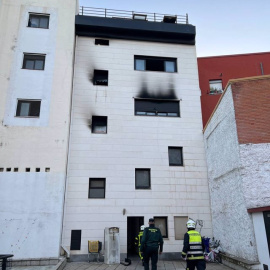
(252, 109)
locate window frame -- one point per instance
(153, 59)
(18, 108)
(105, 74)
(166, 224)
(39, 57)
(185, 219)
(103, 188)
(157, 113)
(137, 187)
(38, 15)
(181, 155)
(215, 91)
(74, 238)
(95, 118)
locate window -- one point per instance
(96, 188)
(161, 223)
(215, 87)
(175, 156)
(99, 124)
(155, 63)
(101, 77)
(104, 42)
(142, 179)
(28, 108)
(180, 227)
(75, 243)
(157, 107)
(34, 61)
(38, 21)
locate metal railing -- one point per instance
(124, 14)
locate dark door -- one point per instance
(133, 228)
(266, 216)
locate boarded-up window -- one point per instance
(142, 178)
(75, 243)
(180, 227)
(97, 188)
(162, 224)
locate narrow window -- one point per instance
(157, 107)
(1, 169)
(8, 169)
(34, 61)
(28, 108)
(96, 188)
(75, 243)
(16, 169)
(27, 169)
(38, 21)
(37, 169)
(152, 63)
(99, 124)
(180, 227)
(47, 169)
(162, 224)
(175, 156)
(104, 42)
(101, 77)
(142, 179)
(215, 87)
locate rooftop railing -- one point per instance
(133, 15)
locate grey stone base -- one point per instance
(35, 262)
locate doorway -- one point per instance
(133, 228)
(266, 216)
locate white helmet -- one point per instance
(143, 227)
(191, 224)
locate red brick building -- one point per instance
(216, 71)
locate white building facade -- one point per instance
(136, 142)
(36, 68)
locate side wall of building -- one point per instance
(134, 142)
(33, 150)
(232, 225)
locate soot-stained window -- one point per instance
(34, 61)
(157, 107)
(75, 242)
(104, 42)
(97, 188)
(142, 179)
(155, 63)
(39, 21)
(101, 77)
(175, 156)
(28, 108)
(99, 124)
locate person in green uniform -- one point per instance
(138, 242)
(151, 241)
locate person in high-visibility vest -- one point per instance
(193, 248)
(138, 241)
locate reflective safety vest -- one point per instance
(138, 239)
(195, 251)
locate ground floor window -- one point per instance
(162, 224)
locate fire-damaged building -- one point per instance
(136, 144)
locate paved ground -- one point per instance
(162, 265)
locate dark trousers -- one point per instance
(152, 253)
(199, 264)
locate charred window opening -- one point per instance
(99, 124)
(157, 107)
(142, 179)
(96, 188)
(104, 42)
(75, 243)
(38, 21)
(101, 77)
(155, 63)
(34, 61)
(175, 156)
(28, 108)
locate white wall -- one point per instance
(255, 168)
(232, 225)
(134, 142)
(32, 204)
(260, 234)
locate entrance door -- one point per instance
(266, 216)
(133, 228)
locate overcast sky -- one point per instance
(223, 26)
